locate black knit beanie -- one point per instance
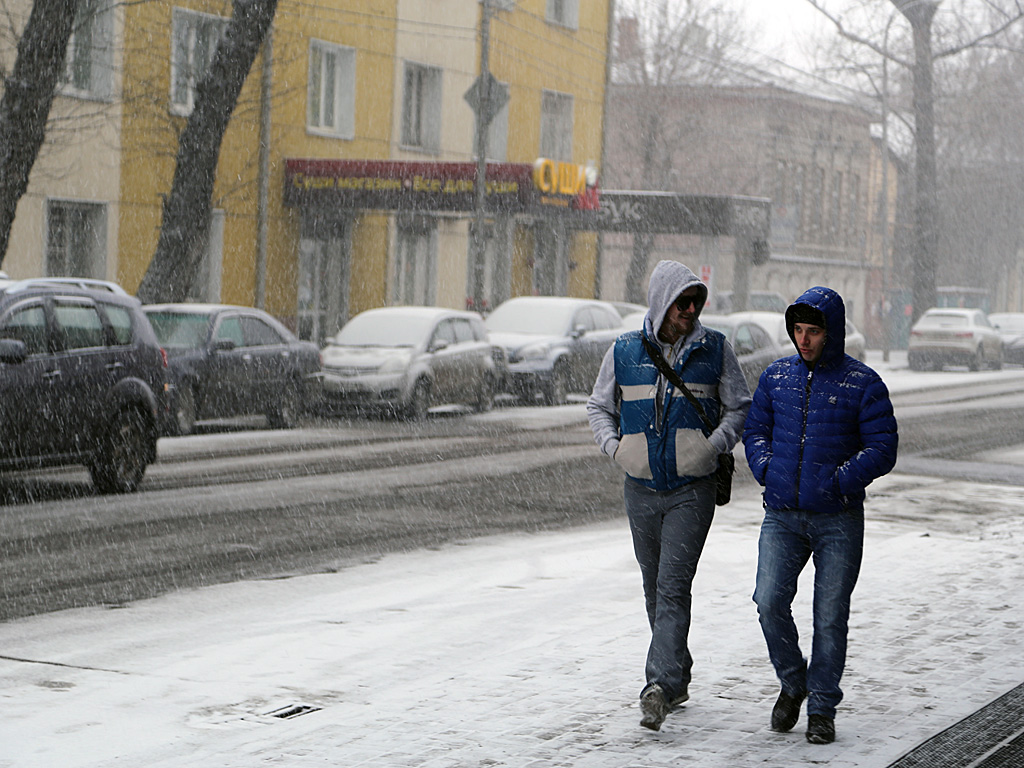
(803, 313)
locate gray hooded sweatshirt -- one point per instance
(668, 280)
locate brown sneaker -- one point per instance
(654, 707)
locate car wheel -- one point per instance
(285, 415)
(997, 364)
(915, 362)
(123, 453)
(485, 395)
(419, 402)
(185, 411)
(557, 390)
(977, 361)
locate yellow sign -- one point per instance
(559, 178)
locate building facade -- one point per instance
(814, 158)
(376, 88)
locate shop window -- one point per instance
(556, 126)
(89, 60)
(331, 93)
(415, 274)
(76, 242)
(564, 12)
(195, 37)
(421, 108)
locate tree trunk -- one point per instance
(186, 211)
(28, 96)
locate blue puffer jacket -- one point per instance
(816, 437)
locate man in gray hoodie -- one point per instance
(670, 456)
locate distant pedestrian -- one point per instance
(820, 429)
(651, 429)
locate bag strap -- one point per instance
(662, 365)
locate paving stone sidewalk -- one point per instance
(525, 651)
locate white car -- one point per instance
(409, 359)
(952, 336)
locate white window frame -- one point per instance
(82, 241)
(186, 25)
(556, 125)
(331, 90)
(88, 64)
(565, 13)
(421, 107)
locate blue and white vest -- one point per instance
(677, 449)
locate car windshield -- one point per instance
(531, 317)
(180, 330)
(943, 320)
(384, 329)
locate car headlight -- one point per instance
(394, 365)
(534, 352)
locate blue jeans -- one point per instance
(788, 540)
(669, 530)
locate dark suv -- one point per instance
(82, 381)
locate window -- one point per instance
(88, 64)
(421, 107)
(415, 275)
(78, 326)
(76, 239)
(258, 334)
(120, 320)
(564, 12)
(230, 329)
(331, 94)
(194, 40)
(556, 126)
(27, 324)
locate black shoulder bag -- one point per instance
(726, 461)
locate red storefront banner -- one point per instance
(411, 186)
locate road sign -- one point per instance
(487, 96)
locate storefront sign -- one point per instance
(397, 185)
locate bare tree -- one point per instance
(920, 14)
(28, 95)
(661, 47)
(186, 211)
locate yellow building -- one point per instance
(346, 178)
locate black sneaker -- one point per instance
(820, 729)
(654, 706)
(786, 711)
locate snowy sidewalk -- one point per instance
(523, 650)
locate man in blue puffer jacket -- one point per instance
(820, 429)
(653, 432)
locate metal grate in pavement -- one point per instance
(993, 737)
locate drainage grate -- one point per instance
(993, 737)
(292, 711)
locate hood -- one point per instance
(668, 280)
(828, 306)
(365, 358)
(512, 342)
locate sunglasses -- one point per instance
(683, 302)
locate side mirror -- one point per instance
(578, 331)
(13, 351)
(223, 345)
(438, 345)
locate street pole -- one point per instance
(886, 288)
(478, 243)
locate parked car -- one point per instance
(82, 381)
(949, 336)
(627, 308)
(554, 345)
(409, 359)
(754, 347)
(720, 302)
(230, 361)
(1011, 327)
